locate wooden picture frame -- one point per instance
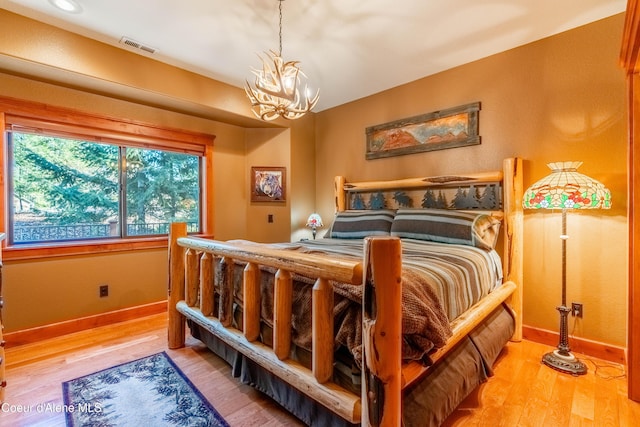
(439, 130)
(268, 184)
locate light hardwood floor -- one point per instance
(522, 392)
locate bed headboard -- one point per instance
(498, 192)
(474, 191)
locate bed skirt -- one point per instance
(428, 402)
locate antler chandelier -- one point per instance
(277, 91)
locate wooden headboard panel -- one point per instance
(472, 191)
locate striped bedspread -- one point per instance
(440, 282)
(460, 275)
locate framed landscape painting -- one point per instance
(268, 184)
(439, 130)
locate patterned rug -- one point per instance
(151, 391)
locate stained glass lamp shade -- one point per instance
(566, 189)
(314, 221)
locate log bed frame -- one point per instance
(191, 274)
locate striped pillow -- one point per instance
(358, 224)
(447, 226)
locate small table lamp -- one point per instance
(566, 189)
(314, 221)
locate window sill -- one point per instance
(88, 247)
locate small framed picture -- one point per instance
(268, 184)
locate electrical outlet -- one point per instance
(576, 309)
(104, 291)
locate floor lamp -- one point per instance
(566, 189)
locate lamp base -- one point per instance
(567, 363)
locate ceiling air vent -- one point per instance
(137, 45)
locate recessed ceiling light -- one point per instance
(71, 6)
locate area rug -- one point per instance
(150, 392)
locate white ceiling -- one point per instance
(349, 49)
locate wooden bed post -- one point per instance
(282, 300)
(206, 284)
(340, 194)
(513, 244)
(225, 280)
(322, 330)
(382, 332)
(251, 295)
(176, 284)
(191, 277)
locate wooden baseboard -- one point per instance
(578, 345)
(587, 347)
(40, 333)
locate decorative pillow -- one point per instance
(447, 226)
(358, 224)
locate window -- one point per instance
(67, 189)
(78, 183)
(161, 187)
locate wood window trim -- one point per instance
(630, 61)
(108, 130)
(88, 247)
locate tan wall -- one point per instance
(49, 65)
(293, 149)
(269, 148)
(558, 99)
(30, 47)
(53, 290)
(303, 175)
(561, 98)
(57, 289)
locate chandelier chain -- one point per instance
(280, 33)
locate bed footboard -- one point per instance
(191, 289)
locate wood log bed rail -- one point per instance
(191, 275)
